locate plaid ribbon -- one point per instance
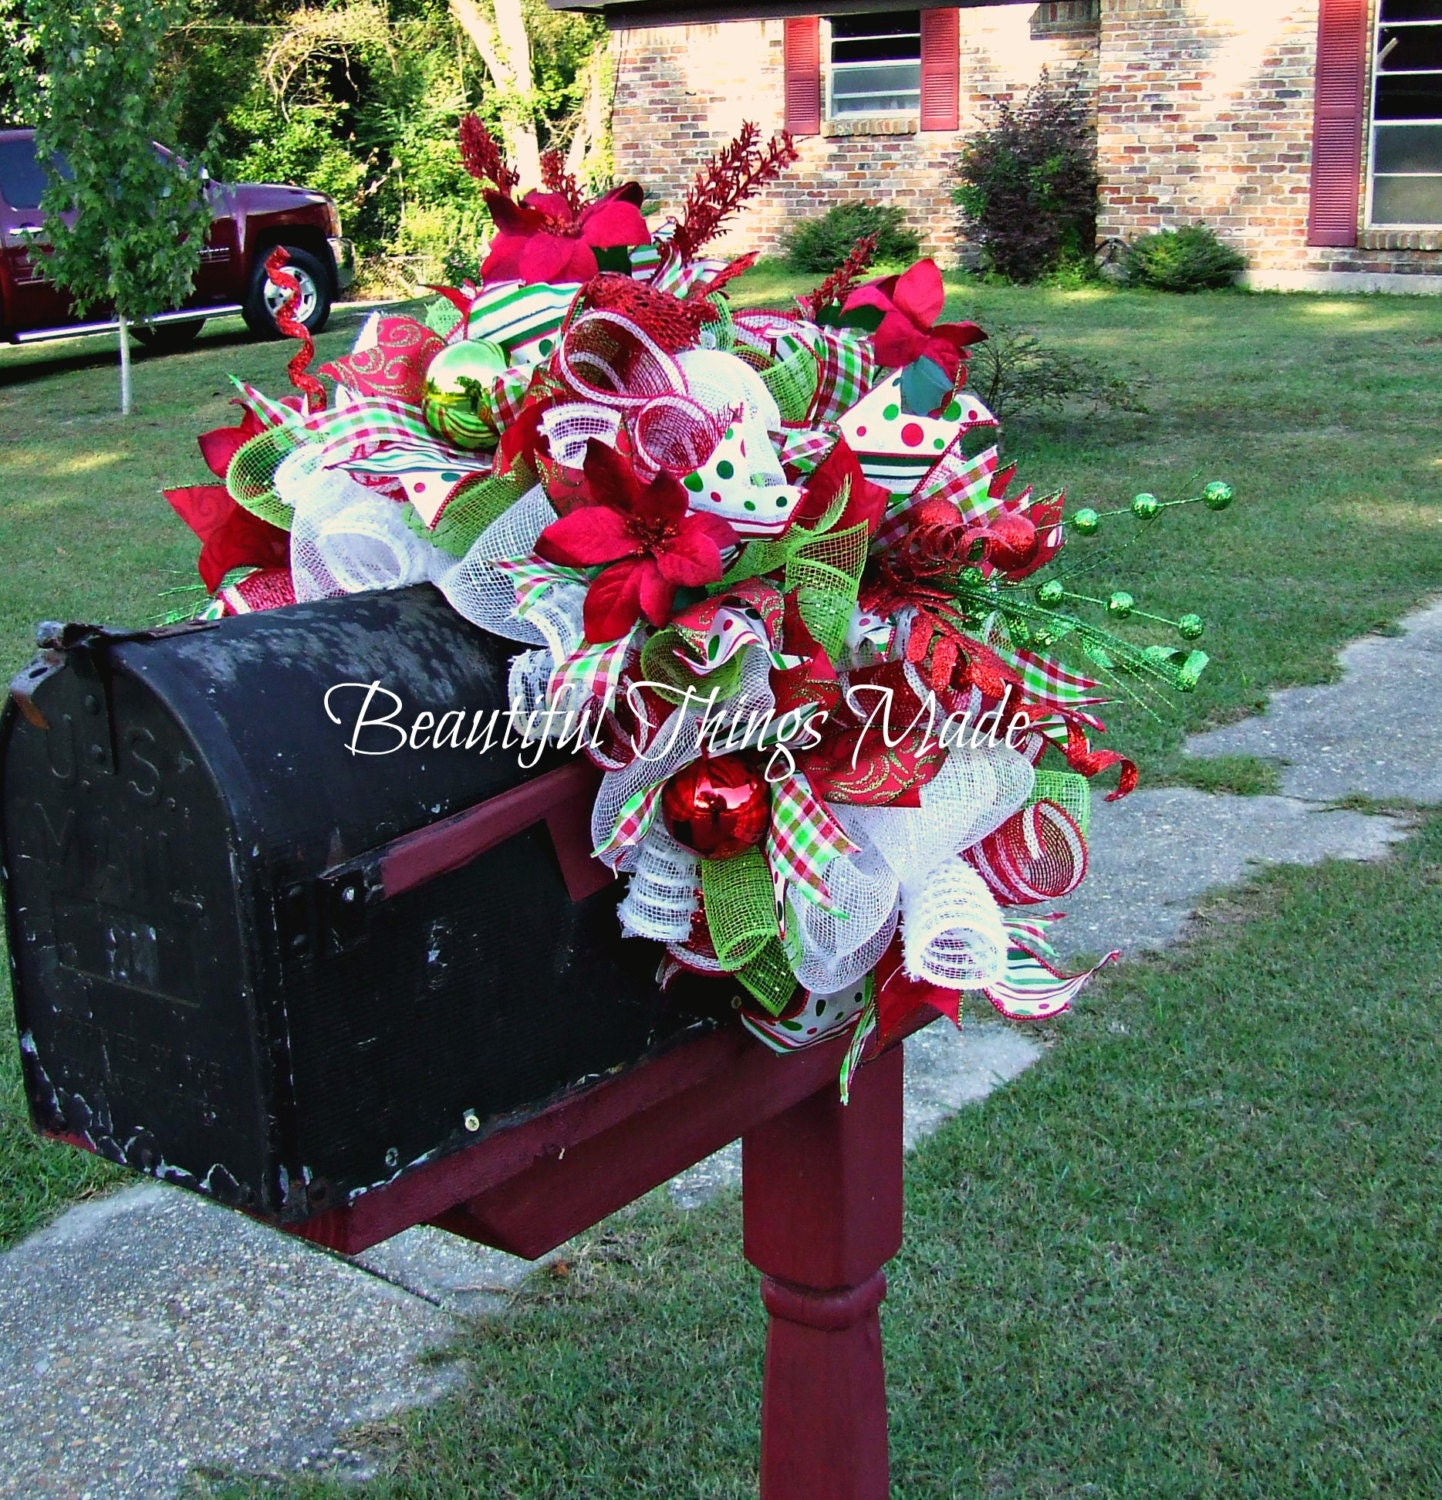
(1043, 678)
(804, 448)
(593, 671)
(848, 371)
(964, 481)
(533, 579)
(803, 839)
(637, 814)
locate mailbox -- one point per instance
(255, 963)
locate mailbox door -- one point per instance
(135, 1003)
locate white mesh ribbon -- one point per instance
(626, 802)
(345, 537)
(836, 951)
(953, 934)
(481, 593)
(977, 789)
(661, 897)
(572, 425)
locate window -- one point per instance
(22, 180)
(1406, 155)
(876, 64)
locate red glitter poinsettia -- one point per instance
(542, 238)
(232, 536)
(642, 535)
(910, 305)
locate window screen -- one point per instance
(876, 64)
(1406, 186)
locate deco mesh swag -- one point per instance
(765, 568)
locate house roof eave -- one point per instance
(623, 15)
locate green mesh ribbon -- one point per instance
(792, 378)
(662, 666)
(769, 978)
(442, 315)
(825, 571)
(1070, 793)
(823, 566)
(251, 475)
(740, 908)
(472, 508)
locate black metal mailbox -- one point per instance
(254, 963)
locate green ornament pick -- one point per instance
(1190, 627)
(1051, 593)
(1217, 495)
(1086, 522)
(1145, 506)
(1120, 604)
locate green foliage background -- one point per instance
(364, 106)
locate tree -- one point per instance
(505, 48)
(126, 219)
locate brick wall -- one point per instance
(683, 91)
(1204, 111)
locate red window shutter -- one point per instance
(940, 69)
(802, 57)
(1337, 122)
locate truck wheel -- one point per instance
(312, 307)
(166, 338)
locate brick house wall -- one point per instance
(683, 91)
(1204, 112)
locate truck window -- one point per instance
(22, 180)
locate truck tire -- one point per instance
(263, 298)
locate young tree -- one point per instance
(126, 220)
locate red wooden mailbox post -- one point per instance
(822, 1207)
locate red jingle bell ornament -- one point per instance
(718, 806)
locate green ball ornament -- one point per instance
(1190, 627)
(455, 403)
(1051, 593)
(1120, 604)
(1217, 495)
(1144, 507)
(1085, 522)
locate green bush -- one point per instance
(821, 245)
(1015, 374)
(1182, 260)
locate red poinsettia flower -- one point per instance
(642, 535)
(233, 537)
(542, 238)
(910, 305)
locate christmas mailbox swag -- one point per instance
(795, 651)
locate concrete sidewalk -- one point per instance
(151, 1332)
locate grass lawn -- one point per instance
(1192, 1253)
(1195, 1252)
(1323, 412)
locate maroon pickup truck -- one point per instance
(249, 220)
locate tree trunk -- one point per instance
(505, 49)
(124, 332)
